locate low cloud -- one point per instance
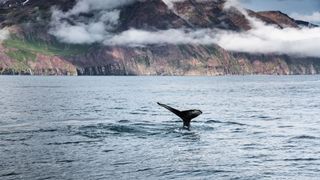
(4, 34)
(170, 3)
(99, 27)
(270, 39)
(102, 17)
(87, 31)
(135, 37)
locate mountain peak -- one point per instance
(280, 18)
(152, 14)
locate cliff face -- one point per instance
(189, 60)
(32, 50)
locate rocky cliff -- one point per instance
(32, 50)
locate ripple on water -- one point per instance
(265, 117)
(225, 122)
(124, 121)
(138, 113)
(142, 129)
(106, 130)
(125, 129)
(108, 150)
(71, 142)
(285, 126)
(304, 137)
(23, 135)
(302, 159)
(14, 138)
(32, 131)
(9, 174)
(117, 108)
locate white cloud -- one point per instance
(81, 33)
(4, 34)
(136, 37)
(84, 6)
(233, 3)
(170, 3)
(269, 39)
(70, 29)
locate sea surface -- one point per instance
(253, 127)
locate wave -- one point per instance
(124, 121)
(264, 117)
(305, 137)
(28, 131)
(39, 87)
(225, 122)
(302, 159)
(9, 174)
(66, 161)
(70, 142)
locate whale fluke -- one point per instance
(186, 116)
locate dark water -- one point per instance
(253, 127)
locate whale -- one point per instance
(186, 115)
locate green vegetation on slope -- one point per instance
(21, 55)
(23, 51)
(26, 49)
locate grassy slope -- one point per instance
(24, 50)
(35, 47)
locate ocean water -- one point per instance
(253, 127)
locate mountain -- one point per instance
(32, 49)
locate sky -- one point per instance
(288, 6)
(308, 10)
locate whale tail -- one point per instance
(186, 116)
